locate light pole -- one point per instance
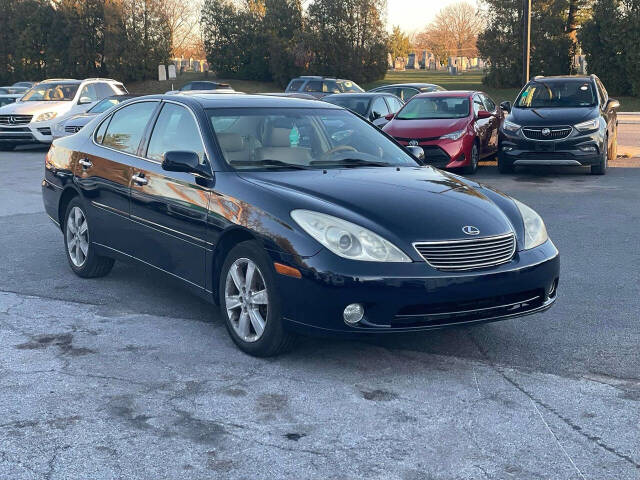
(526, 39)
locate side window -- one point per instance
(379, 108)
(330, 86)
(294, 85)
(186, 88)
(489, 104)
(127, 126)
(104, 90)
(603, 93)
(477, 105)
(394, 104)
(175, 129)
(313, 86)
(119, 89)
(407, 93)
(88, 94)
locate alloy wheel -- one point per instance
(246, 299)
(77, 236)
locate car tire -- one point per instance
(7, 147)
(83, 259)
(601, 168)
(475, 158)
(252, 313)
(504, 165)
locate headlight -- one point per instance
(45, 116)
(510, 126)
(589, 125)
(535, 233)
(454, 135)
(347, 239)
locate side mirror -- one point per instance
(612, 104)
(181, 161)
(84, 100)
(417, 152)
(390, 116)
(484, 114)
(506, 106)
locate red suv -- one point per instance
(455, 129)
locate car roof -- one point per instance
(359, 95)
(447, 93)
(70, 81)
(414, 85)
(556, 78)
(240, 100)
(318, 77)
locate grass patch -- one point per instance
(464, 81)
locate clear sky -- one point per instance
(414, 15)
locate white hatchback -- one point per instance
(31, 119)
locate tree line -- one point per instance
(605, 31)
(275, 40)
(123, 39)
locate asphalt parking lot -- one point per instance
(130, 376)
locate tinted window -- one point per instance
(355, 103)
(435, 107)
(330, 86)
(295, 85)
(489, 104)
(313, 86)
(127, 126)
(565, 93)
(104, 90)
(104, 105)
(88, 94)
(379, 108)
(175, 129)
(394, 103)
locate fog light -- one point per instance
(588, 148)
(353, 313)
(507, 149)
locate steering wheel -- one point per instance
(339, 148)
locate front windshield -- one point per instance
(348, 86)
(568, 93)
(298, 138)
(51, 92)
(424, 108)
(354, 103)
(104, 105)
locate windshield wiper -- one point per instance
(269, 163)
(350, 162)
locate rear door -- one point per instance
(104, 171)
(169, 209)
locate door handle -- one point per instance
(139, 179)
(85, 163)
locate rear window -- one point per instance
(294, 85)
(356, 104)
(347, 86)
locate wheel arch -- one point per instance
(68, 194)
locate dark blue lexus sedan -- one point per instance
(293, 216)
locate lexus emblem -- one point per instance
(470, 230)
(545, 132)
(413, 143)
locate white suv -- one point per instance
(31, 119)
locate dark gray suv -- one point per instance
(321, 86)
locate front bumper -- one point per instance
(446, 153)
(575, 150)
(413, 296)
(40, 132)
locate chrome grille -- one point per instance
(15, 119)
(468, 254)
(555, 133)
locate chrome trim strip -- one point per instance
(109, 209)
(477, 239)
(459, 312)
(161, 228)
(548, 162)
(152, 265)
(566, 127)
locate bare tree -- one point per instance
(184, 22)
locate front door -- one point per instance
(103, 173)
(169, 209)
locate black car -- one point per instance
(404, 91)
(565, 120)
(293, 216)
(321, 86)
(378, 108)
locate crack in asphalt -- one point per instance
(567, 421)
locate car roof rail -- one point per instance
(100, 78)
(59, 80)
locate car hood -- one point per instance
(551, 116)
(424, 128)
(404, 205)
(34, 108)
